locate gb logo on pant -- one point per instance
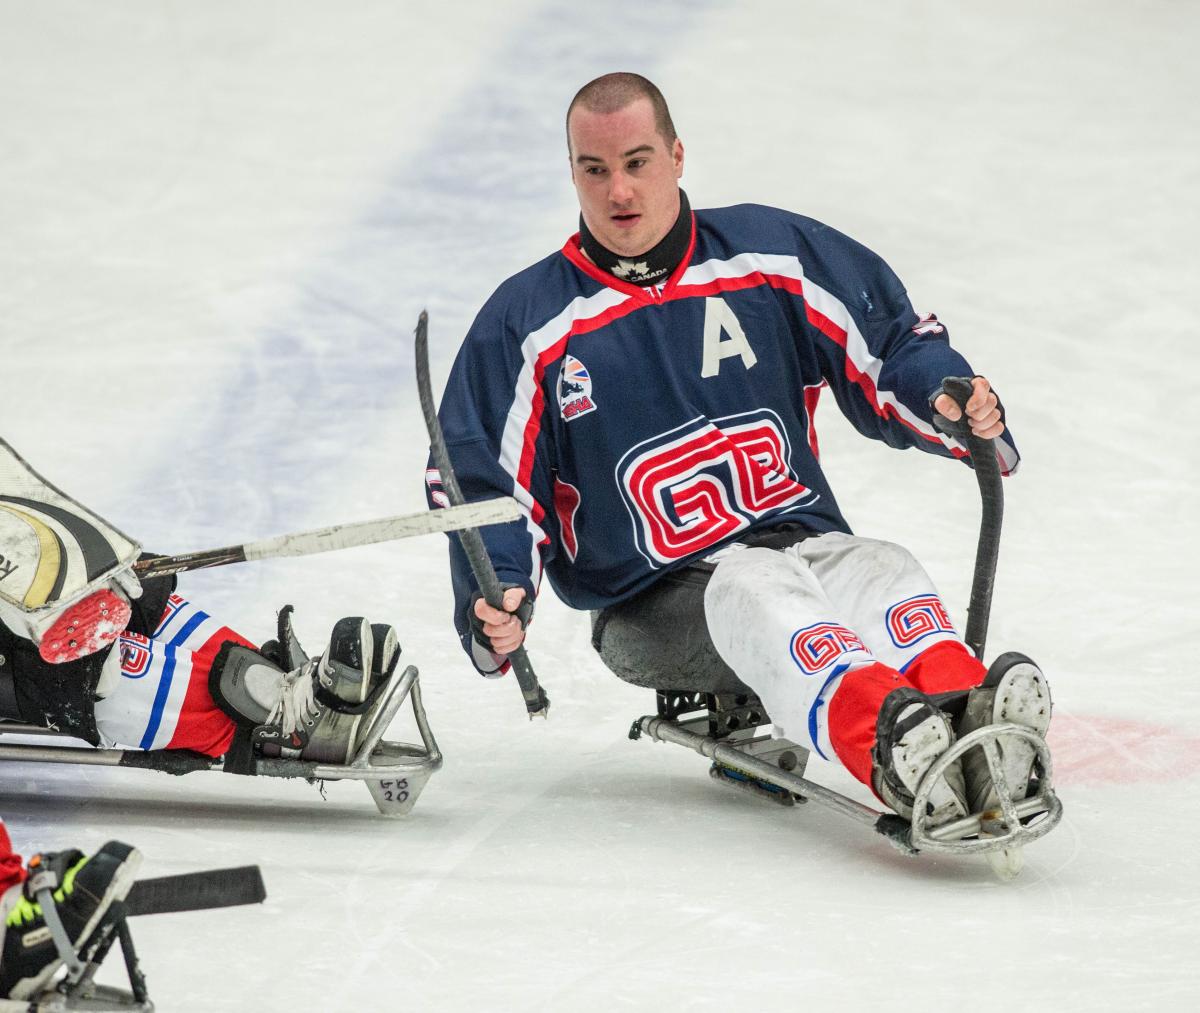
(818, 647)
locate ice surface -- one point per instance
(218, 223)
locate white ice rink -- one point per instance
(218, 223)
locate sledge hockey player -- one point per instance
(647, 394)
(88, 886)
(175, 678)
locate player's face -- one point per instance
(626, 176)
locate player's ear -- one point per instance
(677, 157)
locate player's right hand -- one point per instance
(984, 413)
(501, 632)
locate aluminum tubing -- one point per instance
(397, 690)
(63, 754)
(667, 731)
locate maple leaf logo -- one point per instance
(630, 270)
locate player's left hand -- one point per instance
(501, 631)
(983, 409)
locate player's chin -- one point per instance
(626, 240)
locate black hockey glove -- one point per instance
(524, 614)
(960, 388)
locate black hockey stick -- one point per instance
(196, 891)
(536, 701)
(991, 493)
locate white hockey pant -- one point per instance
(792, 622)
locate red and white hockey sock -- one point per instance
(161, 699)
(854, 713)
(945, 667)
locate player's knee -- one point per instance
(887, 559)
(895, 557)
(741, 576)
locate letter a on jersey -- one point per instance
(718, 319)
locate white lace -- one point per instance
(296, 704)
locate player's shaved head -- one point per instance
(613, 92)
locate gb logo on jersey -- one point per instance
(817, 647)
(916, 618)
(135, 655)
(695, 485)
(574, 389)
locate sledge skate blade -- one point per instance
(755, 786)
(723, 754)
(395, 796)
(1007, 863)
(1014, 825)
(100, 999)
(780, 753)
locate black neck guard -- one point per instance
(652, 267)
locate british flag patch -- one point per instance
(574, 389)
(928, 324)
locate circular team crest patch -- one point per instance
(574, 389)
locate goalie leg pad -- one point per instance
(240, 682)
(244, 683)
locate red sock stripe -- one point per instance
(854, 711)
(12, 868)
(203, 726)
(945, 667)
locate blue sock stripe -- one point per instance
(818, 702)
(164, 683)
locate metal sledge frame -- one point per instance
(78, 990)
(780, 764)
(395, 772)
(1024, 821)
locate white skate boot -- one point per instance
(324, 701)
(296, 707)
(911, 733)
(1014, 692)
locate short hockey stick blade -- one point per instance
(339, 536)
(197, 891)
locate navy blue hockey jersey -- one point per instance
(641, 428)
